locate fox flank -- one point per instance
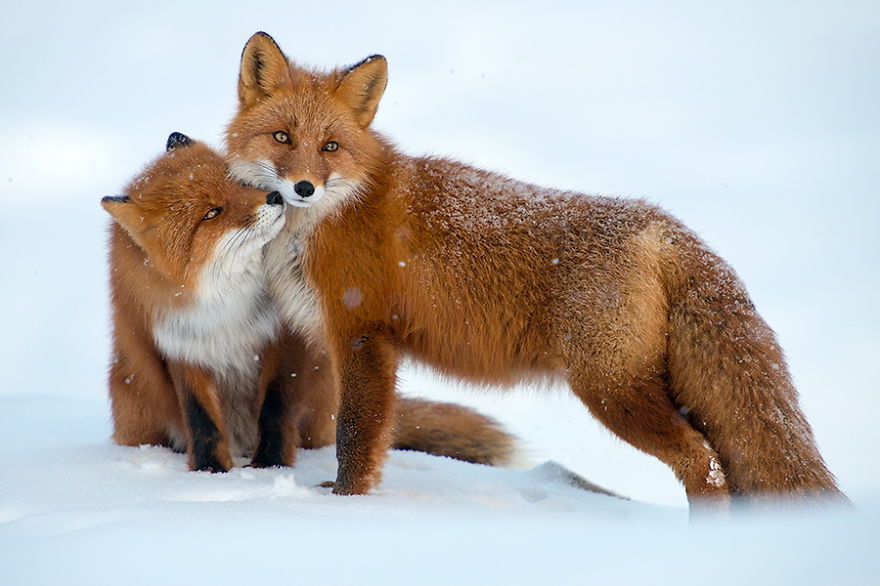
(504, 281)
(201, 361)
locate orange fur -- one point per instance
(228, 380)
(497, 281)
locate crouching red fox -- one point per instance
(498, 281)
(201, 361)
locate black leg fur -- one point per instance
(205, 437)
(274, 426)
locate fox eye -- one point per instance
(281, 137)
(213, 214)
(331, 147)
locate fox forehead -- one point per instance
(189, 182)
(300, 121)
(309, 109)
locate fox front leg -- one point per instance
(366, 416)
(208, 443)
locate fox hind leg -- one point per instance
(143, 401)
(640, 412)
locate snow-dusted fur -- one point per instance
(201, 362)
(495, 281)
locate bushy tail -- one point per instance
(446, 429)
(728, 375)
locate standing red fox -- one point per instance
(201, 362)
(497, 281)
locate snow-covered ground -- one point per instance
(756, 123)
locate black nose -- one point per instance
(274, 199)
(304, 189)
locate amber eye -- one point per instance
(331, 147)
(281, 137)
(213, 214)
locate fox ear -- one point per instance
(120, 207)
(177, 139)
(126, 214)
(361, 87)
(264, 69)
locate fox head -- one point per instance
(304, 133)
(184, 212)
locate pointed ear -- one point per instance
(362, 86)
(264, 69)
(177, 139)
(126, 214)
(113, 203)
(121, 208)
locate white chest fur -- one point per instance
(295, 298)
(227, 325)
(224, 330)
